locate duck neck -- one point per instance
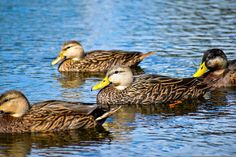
(218, 72)
(19, 107)
(120, 87)
(126, 83)
(76, 58)
(79, 57)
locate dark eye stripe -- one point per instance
(66, 48)
(6, 100)
(116, 72)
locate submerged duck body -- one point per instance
(216, 70)
(120, 87)
(73, 58)
(53, 115)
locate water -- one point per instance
(31, 34)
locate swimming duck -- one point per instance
(53, 115)
(215, 66)
(121, 87)
(73, 58)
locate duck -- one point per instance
(120, 86)
(216, 69)
(17, 116)
(73, 58)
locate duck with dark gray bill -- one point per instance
(73, 58)
(18, 116)
(121, 87)
(216, 70)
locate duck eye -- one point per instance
(66, 48)
(5, 100)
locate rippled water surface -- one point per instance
(31, 33)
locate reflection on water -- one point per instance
(76, 79)
(31, 35)
(22, 144)
(163, 109)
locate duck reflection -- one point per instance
(21, 144)
(220, 97)
(77, 79)
(157, 109)
(126, 118)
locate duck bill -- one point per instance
(59, 58)
(105, 82)
(201, 70)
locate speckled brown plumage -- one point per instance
(54, 115)
(101, 60)
(153, 89)
(226, 79)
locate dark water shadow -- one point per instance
(22, 144)
(160, 109)
(216, 101)
(128, 113)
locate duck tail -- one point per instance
(147, 54)
(108, 114)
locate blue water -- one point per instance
(32, 32)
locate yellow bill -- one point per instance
(59, 58)
(105, 82)
(201, 70)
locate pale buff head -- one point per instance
(14, 103)
(70, 50)
(120, 76)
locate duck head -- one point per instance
(213, 60)
(119, 76)
(14, 103)
(70, 49)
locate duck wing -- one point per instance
(164, 89)
(57, 115)
(114, 57)
(62, 107)
(102, 60)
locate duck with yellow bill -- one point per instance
(54, 115)
(73, 58)
(216, 69)
(121, 87)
